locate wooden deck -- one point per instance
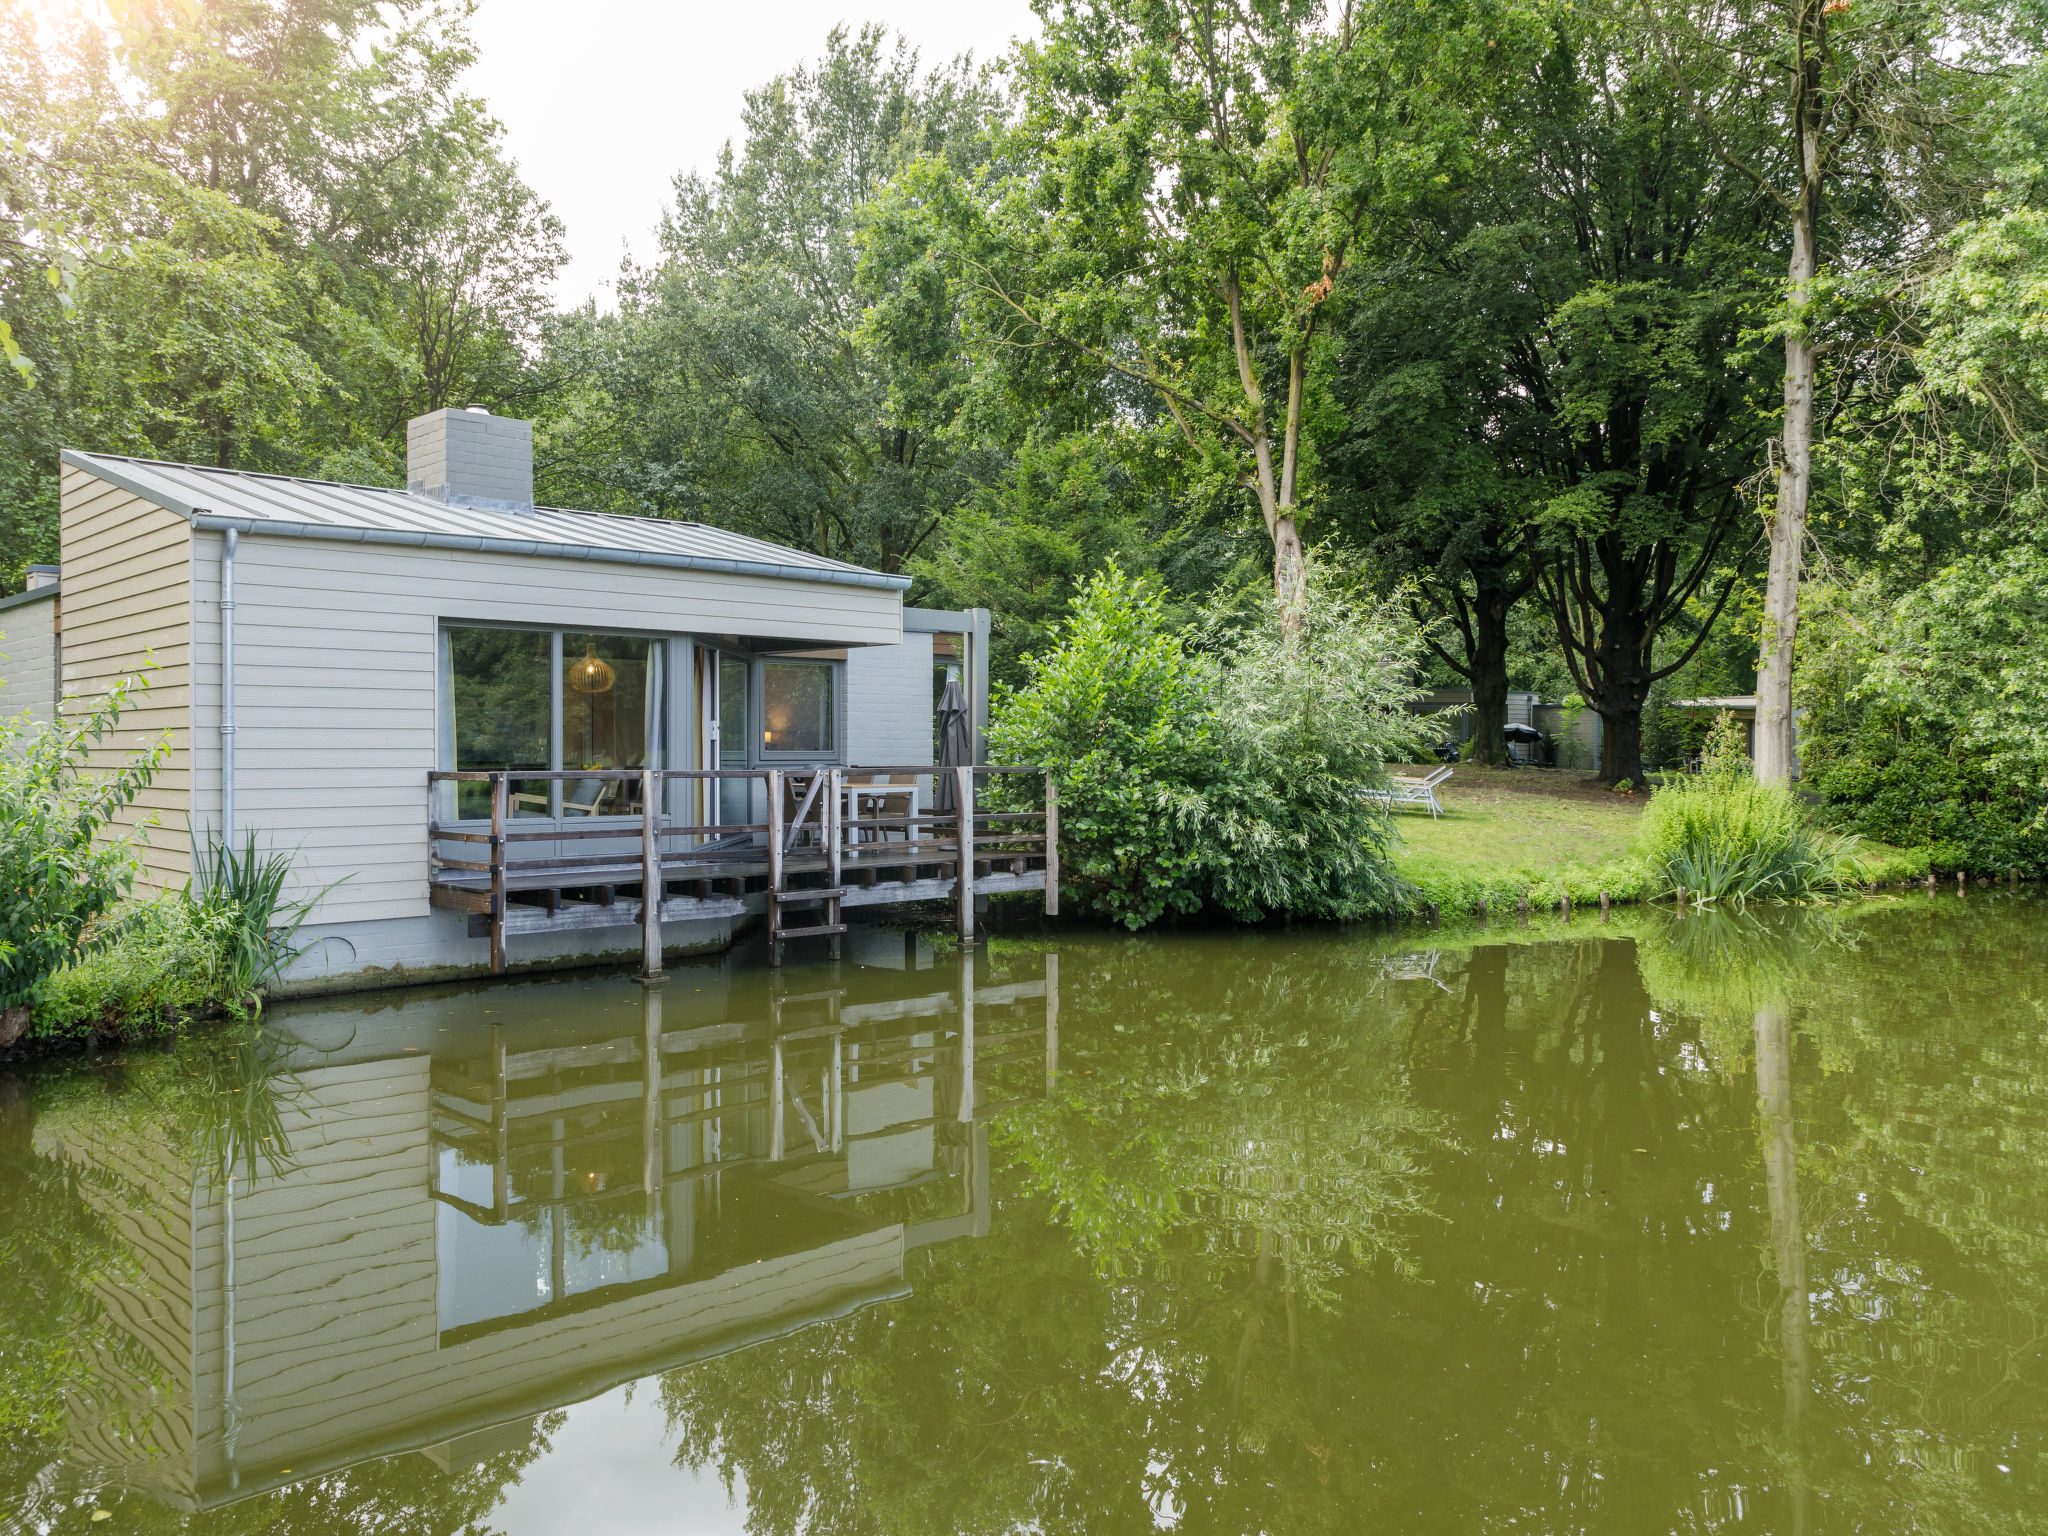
(809, 859)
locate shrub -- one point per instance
(1224, 769)
(154, 966)
(1722, 836)
(1311, 705)
(1923, 724)
(150, 968)
(1120, 712)
(60, 870)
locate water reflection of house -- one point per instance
(467, 1236)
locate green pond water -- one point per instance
(1676, 1224)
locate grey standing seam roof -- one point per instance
(367, 514)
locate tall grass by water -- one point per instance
(1721, 836)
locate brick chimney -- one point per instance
(471, 458)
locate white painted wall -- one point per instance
(889, 703)
(125, 614)
(28, 657)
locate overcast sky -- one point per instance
(605, 101)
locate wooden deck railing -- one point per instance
(808, 853)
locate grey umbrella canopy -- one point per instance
(956, 744)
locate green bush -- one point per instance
(1891, 781)
(60, 867)
(1722, 836)
(1922, 722)
(149, 969)
(154, 966)
(1224, 770)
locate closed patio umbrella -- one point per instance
(956, 745)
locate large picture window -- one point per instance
(545, 699)
(799, 709)
(499, 695)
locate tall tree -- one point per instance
(279, 228)
(1181, 196)
(1863, 97)
(770, 371)
(1429, 467)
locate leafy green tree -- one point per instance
(1609, 255)
(1178, 202)
(286, 230)
(768, 372)
(1429, 470)
(1873, 119)
(1064, 509)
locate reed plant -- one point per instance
(1721, 836)
(242, 894)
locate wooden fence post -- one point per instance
(965, 796)
(501, 796)
(1052, 846)
(774, 866)
(650, 876)
(831, 816)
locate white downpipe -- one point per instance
(227, 690)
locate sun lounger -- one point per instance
(1411, 791)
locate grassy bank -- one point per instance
(1547, 834)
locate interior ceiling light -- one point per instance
(591, 675)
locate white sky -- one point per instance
(604, 103)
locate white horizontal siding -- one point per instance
(28, 660)
(125, 613)
(336, 686)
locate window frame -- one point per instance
(663, 747)
(758, 755)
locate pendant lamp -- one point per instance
(591, 675)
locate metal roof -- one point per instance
(368, 514)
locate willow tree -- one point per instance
(1178, 200)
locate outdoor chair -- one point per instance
(881, 793)
(580, 797)
(1412, 791)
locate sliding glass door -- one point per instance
(734, 795)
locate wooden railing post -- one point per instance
(833, 817)
(650, 875)
(501, 800)
(774, 776)
(965, 797)
(1052, 846)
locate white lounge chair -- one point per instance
(1411, 791)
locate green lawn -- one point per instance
(1547, 833)
(1504, 832)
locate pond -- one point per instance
(1673, 1223)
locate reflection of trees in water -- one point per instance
(1902, 1156)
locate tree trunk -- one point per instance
(1774, 759)
(1489, 674)
(1621, 740)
